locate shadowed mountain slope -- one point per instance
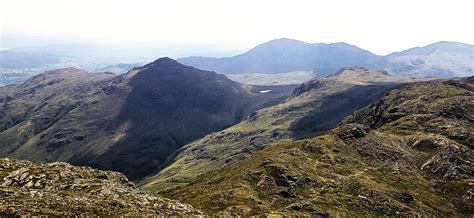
(128, 123)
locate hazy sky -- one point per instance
(381, 26)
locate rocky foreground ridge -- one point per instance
(409, 154)
(61, 189)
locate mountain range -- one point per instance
(286, 55)
(441, 59)
(358, 141)
(277, 62)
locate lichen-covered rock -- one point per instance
(61, 189)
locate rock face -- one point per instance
(60, 189)
(410, 153)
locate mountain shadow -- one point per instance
(334, 108)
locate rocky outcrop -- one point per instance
(61, 189)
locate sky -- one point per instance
(380, 26)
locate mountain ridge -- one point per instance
(442, 59)
(292, 53)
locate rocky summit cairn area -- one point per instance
(61, 189)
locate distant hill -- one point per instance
(408, 154)
(128, 123)
(286, 55)
(441, 59)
